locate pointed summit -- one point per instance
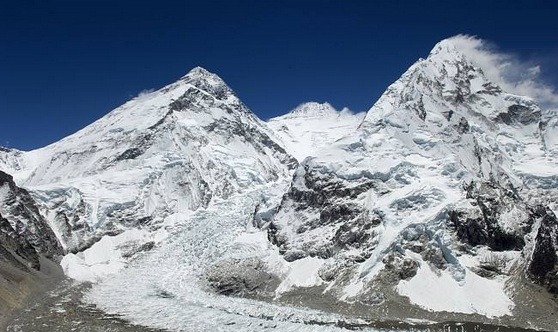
(201, 74)
(451, 46)
(210, 83)
(449, 78)
(197, 72)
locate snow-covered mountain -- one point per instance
(164, 153)
(312, 126)
(445, 195)
(439, 203)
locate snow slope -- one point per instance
(312, 126)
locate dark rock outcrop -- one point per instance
(481, 226)
(27, 225)
(543, 263)
(242, 278)
(322, 197)
(26, 241)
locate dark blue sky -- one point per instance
(64, 64)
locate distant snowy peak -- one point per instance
(313, 109)
(445, 97)
(198, 72)
(312, 126)
(445, 79)
(449, 49)
(199, 105)
(198, 75)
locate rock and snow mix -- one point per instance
(443, 164)
(440, 195)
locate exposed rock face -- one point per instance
(25, 239)
(15, 250)
(24, 229)
(247, 278)
(11, 160)
(320, 201)
(543, 263)
(481, 225)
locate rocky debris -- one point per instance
(492, 265)
(131, 249)
(401, 267)
(25, 240)
(336, 270)
(247, 277)
(61, 308)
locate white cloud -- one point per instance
(145, 92)
(535, 70)
(507, 70)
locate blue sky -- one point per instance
(65, 64)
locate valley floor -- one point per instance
(64, 310)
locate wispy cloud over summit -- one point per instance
(508, 70)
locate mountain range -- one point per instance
(182, 209)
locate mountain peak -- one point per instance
(210, 83)
(313, 109)
(197, 72)
(200, 74)
(452, 48)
